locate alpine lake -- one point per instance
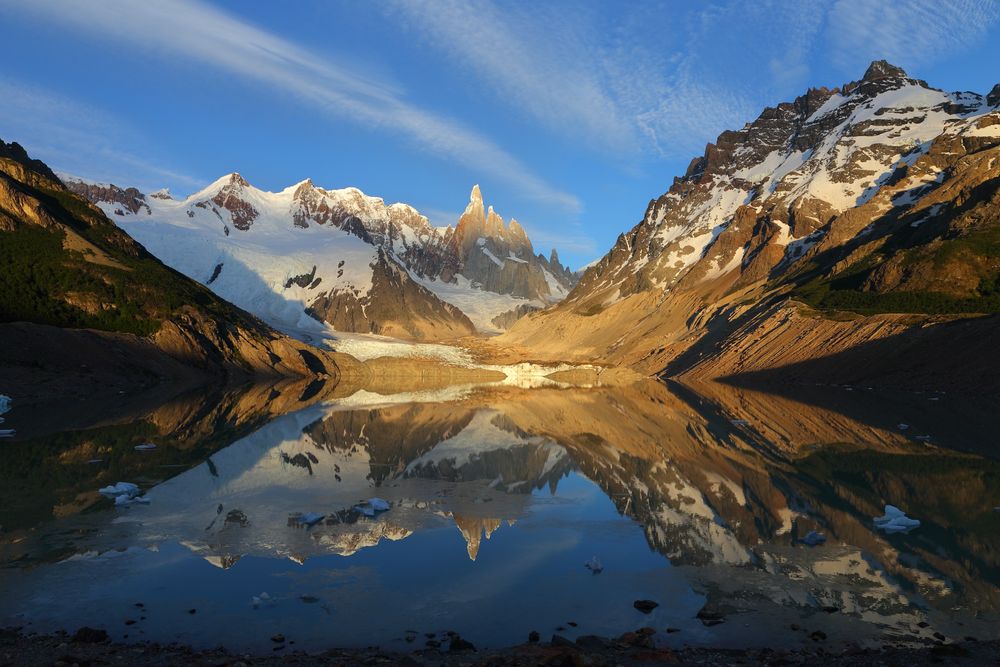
(748, 517)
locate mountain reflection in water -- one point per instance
(688, 496)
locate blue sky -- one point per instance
(570, 115)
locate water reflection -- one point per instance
(693, 497)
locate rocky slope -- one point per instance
(67, 267)
(342, 257)
(880, 196)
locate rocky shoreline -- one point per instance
(89, 646)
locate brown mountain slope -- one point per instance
(876, 199)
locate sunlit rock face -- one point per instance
(500, 258)
(865, 196)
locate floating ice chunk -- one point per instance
(739, 422)
(144, 447)
(5, 402)
(895, 521)
(371, 506)
(902, 427)
(7, 432)
(594, 565)
(378, 504)
(120, 489)
(262, 600)
(124, 493)
(813, 539)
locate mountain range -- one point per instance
(307, 255)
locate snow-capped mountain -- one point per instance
(341, 257)
(837, 198)
(72, 281)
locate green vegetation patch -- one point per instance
(38, 274)
(45, 283)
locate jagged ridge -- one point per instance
(878, 196)
(280, 246)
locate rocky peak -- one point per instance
(554, 258)
(14, 151)
(473, 219)
(494, 224)
(881, 69)
(519, 241)
(229, 197)
(116, 199)
(304, 190)
(993, 97)
(880, 77)
(236, 179)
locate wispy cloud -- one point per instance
(194, 31)
(539, 59)
(909, 33)
(627, 81)
(78, 138)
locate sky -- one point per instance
(571, 116)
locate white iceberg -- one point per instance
(261, 600)
(6, 432)
(144, 447)
(372, 505)
(311, 518)
(124, 493)
(895, 521)
(120, 489)
(594, 565)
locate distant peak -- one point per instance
(302, 188)
(16, 152)
(236, 179)
(993, 98)
(882, 69)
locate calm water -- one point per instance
(498, 498)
